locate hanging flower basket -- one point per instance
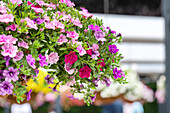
(69, 44)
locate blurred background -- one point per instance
(142, 26)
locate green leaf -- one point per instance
(2, 61)
(77, 63)
(61, 49)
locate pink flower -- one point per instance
(9, 50)
(30, 23)
(77, 23)
(67, 68)
(16, 1)
(72, 34)
(30, 3)
(2, 7)
(18, 56)
(53, 58)
(23, 44)
(49, 25)
(71, 58)
(85, 13)
(58, 24)
(6, 18)
(46, 18)
(41, 29)
(68, 2)
(40, 2)
(38, 10)
(7, 39)
(62, 39)
(12, 27)
(81, 50)
(95, 47)
(85, 72)
(85, 30)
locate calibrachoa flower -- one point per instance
(67, 68)
(100, 35)
(62, 39)
(85, 72)
(12, 27)
(6, 88)
(71, 58)
(7, 58)
(9, 50)
(72, 34)
(42, 61)
(81, 50)
(106, 81)
(30, 23)
(49, 79)
(118, 73)
(23, 44)
(28, 95)
(11, 74)
(31, 61)
(113, 49)
(38, 21)
(6, 18)
(53, 58)
(16, 1)
(85, 13)
(94, 28)
(102, 64)
(18, 56)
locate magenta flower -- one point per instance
(71, 58)
(28, 95)
(118, 73)
(31, 61)
(102, 64)
(72, 34)
(62, 39)
(53, 58)
(11, 74)
(113, 49)
(94, 28)
(81, 50)
(42, 61)
(49, 79)
(85, 72)
(9, 50)
(18, 56)
(12, 27)
(6, 18)
(23, 44)
(30, 23)
(67, 68)
(6, 88)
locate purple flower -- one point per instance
(94, 28)
(7, 58)
(72, 97)
(19, 56)
(54, 89)
(6, 88)
(11, 74)
(31, 61)
(37, 72)
(118, 73)
(100, 35)
(1, 75)
(106, 81)
(42, 61)
(28, 94)
(49, 79)
(113, 48)
(119, 35)
(38, 21)
(95, 82)
(93, 98)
